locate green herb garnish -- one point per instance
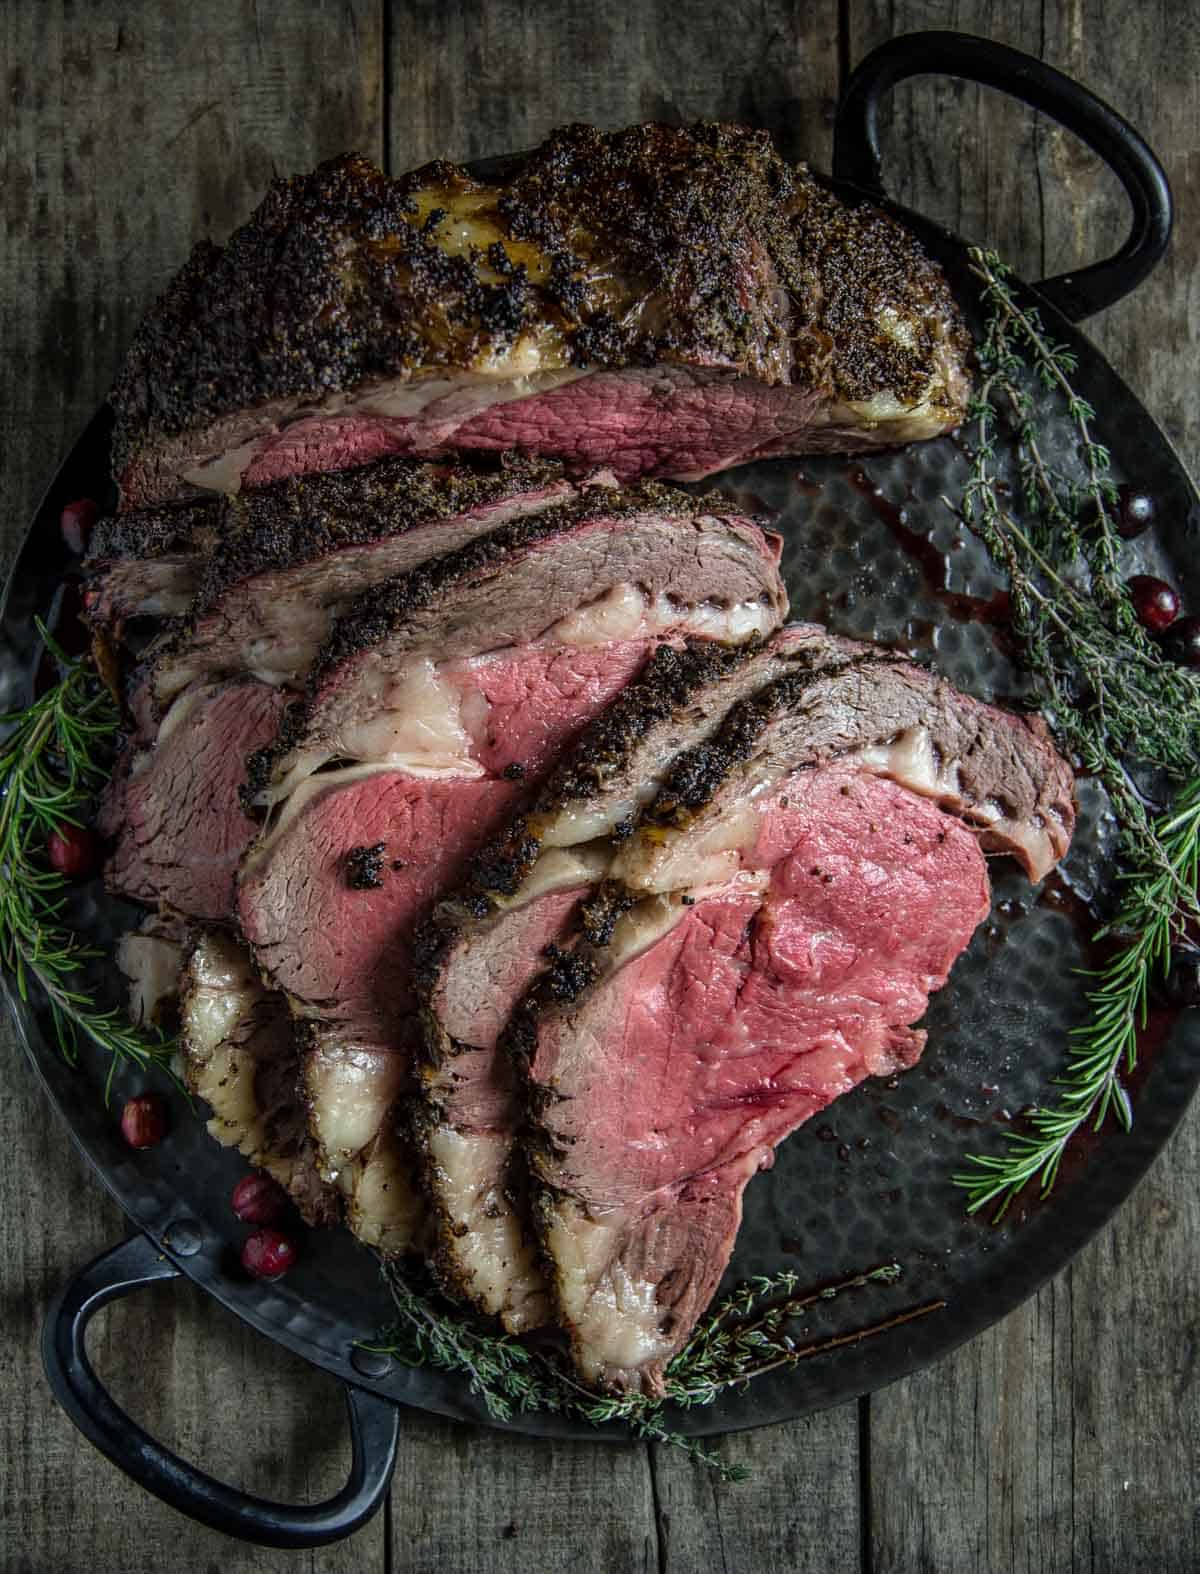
(51, 761)
(744, 1337)
(1113, 700)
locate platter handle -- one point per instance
(374, 1422)
(856, 157)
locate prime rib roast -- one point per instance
(519, 877)
(603, 852)
(437, 702)
(270, 575)
(663, 301)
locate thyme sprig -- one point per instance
(1112, 698)
(746, 1336)
(51, 761)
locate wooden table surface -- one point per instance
(1066, 1437)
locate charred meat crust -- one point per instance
(421, 1118)
(669, 679)
(651, 244)
(377, 613)
(305, 517)
(192, 526)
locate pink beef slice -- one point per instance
(668, 299)
(343, 954)
(686, 423)
(668, 1085)
(485, 943)
(175, 809)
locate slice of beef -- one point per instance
(610, 565)
(280, 553)
(526, 626)
(666, 1086)
(999, 771)
(789, 900)
(239, 1056)
(175, 810)
(660, 299)
(268, 602)
(483, 946)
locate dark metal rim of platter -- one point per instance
(311, 1315)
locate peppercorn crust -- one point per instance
(696, 246)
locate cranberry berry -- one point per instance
(1135, 512)
(258, 1199)
(1155, 603)
(73, 851)
(267, 1254)
(144, 1121)
(76, 523)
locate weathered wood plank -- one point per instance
(799, 1508)
(469, 78)
(1066, 1437)
(467, 1499)
(466, 80)
(127, 134)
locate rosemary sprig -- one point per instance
(1112, 698)
(51, 760)
(744, 1337)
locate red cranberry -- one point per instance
(1183, 642)
(258, 1199)
(267, 1254)
(1155, 603)
(77, 521)
(73, 851)
(144, 1121)
(1135, 512)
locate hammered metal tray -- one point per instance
(874, 552)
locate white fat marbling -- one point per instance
(614, 1318)
(384, 1208)
(626, 612)
(350, 1092)
(494, 1255)
(150, 960)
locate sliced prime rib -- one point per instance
(239, 1056)
(280, 561)
(207, 694)
(623, 564)
(436, 704)
(661, 300)
(174, 809)
(484, 944)
(799, 886)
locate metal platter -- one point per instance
(874, 552)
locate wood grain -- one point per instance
(128, 133)
(469, 78)
(1064, 1437)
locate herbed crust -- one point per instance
(697, 246)
(379, 612)
(305, 516)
